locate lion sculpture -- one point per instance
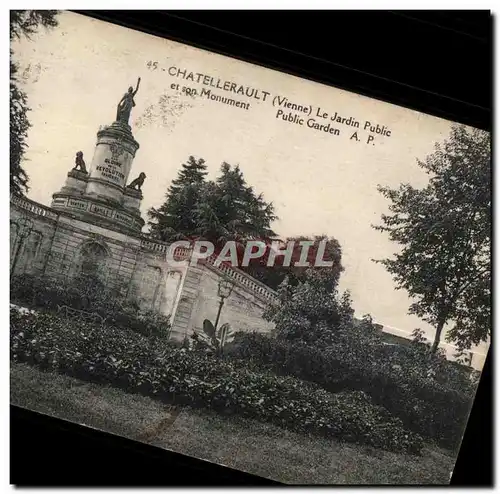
(137, 183)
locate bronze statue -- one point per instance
(79, 163)
(137, 182)
(126, 104)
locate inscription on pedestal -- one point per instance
(75, 203)
(113, 156)
(101, 210)
(122, 218)
(109, 171)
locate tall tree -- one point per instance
(23, 23)
(231, 210)
(218, 211)
(176, 217)
(444, 231)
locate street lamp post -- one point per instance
(224, 290)
(25, 225)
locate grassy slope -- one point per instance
(248, 445)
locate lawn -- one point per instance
(255, 447)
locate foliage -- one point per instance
(146, 322)
(231, 210)
(444, 231)
(213, 340)
(217, 211)
(174, 218)
(431, 395)
(89, 296)
(312, 310)
(27, 22)
(274, 275)
(19, 126)
(149, 366)
(23, 23)
(319, 340)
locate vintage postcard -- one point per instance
(240, 265)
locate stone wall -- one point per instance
(54, 245)
(137, 267)
(242, 309)
(199, 301)
(33, 252)
(155, 284)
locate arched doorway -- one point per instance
(93, 258)
(90, 271)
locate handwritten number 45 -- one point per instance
(152, 65)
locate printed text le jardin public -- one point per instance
(314, 117)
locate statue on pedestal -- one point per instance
(137, 182)
(126, 104)
(79, 163)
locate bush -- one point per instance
(147, 323)
(309, 310)
(422, 389)
(152, 367)
(430, 395)
(42, 292)
(82, 295)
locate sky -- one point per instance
(320, 183)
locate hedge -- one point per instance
(148, 365)
(49, 294)
(436, 407)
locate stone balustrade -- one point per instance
(155, 246)
(244, 279)
(235, 274)
(33, 207)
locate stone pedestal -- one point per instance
(76, 182)
(112, 161)
(75, 186)
(132, 199)
(101, 196)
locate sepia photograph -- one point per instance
(241, 265)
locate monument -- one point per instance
(101, 194)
